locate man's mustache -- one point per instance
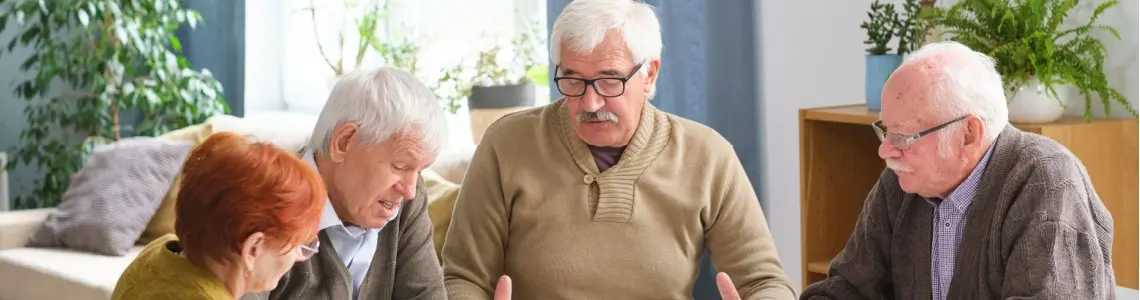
(894, 165)
(597, 116)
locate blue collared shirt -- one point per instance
(949, 222)
(354, 245)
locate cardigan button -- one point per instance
(589, 178)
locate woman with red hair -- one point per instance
(246, 212)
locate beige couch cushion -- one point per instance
(17, 226)
(441, 202)
(36, 273)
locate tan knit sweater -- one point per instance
(534, 207)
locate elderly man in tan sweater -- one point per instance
(602, 196)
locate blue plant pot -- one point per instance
(879, 68)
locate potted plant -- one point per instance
(493, 88)
(883, 25)
(121, 61)
(1038, 59)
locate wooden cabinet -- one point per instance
(839, 164)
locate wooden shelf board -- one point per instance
(849, 114)
(819, 267)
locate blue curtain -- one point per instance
(709, 57)
(218, 44)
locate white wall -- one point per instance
(824, 67)
(263, 55)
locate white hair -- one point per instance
(381, 102)
(583, 25)
(966, 82)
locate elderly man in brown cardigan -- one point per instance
(377, 131)
(970, 207)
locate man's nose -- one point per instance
(886, 150)
(407, 187)
(591, 101)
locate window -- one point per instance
(285, 70)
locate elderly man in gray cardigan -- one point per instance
(970, 207)
(377, 131)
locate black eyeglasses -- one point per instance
(605, 87)
(902, 142)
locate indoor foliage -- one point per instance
(395, 49)
(1026, 40)
(498, 65)
(121, 73)
(884, 23)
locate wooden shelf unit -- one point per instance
(839, 164)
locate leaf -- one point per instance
(192, 18)
(176, 44)
(539, 75)
(151, 97)
(84, 19)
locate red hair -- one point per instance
(232, 188)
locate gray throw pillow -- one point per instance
(113, 197)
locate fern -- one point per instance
(1026, 40)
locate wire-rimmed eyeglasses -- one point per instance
(902, 142)
(308, 250)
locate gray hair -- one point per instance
(583, 24)
(966, 83)
(381, 102)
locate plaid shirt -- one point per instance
(949, 222)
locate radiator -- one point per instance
(4, 201)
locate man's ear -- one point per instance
(251, 249)
(653, 68)
(975, 132)
(343, 139)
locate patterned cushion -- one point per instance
(113, 197)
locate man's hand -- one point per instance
(723, 283)
(503, 288)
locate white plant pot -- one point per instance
(1032, 104)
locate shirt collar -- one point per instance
(962, 195)
(329, 218)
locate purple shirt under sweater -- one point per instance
(606, 157)
(949, 222)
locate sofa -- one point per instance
(42, 273)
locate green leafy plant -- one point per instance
(880, 26)
(885, 23)
(1026, 40)
(495, 67)
(394, 49)
(121, 59)
(910, 27)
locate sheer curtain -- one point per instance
(287, 73)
